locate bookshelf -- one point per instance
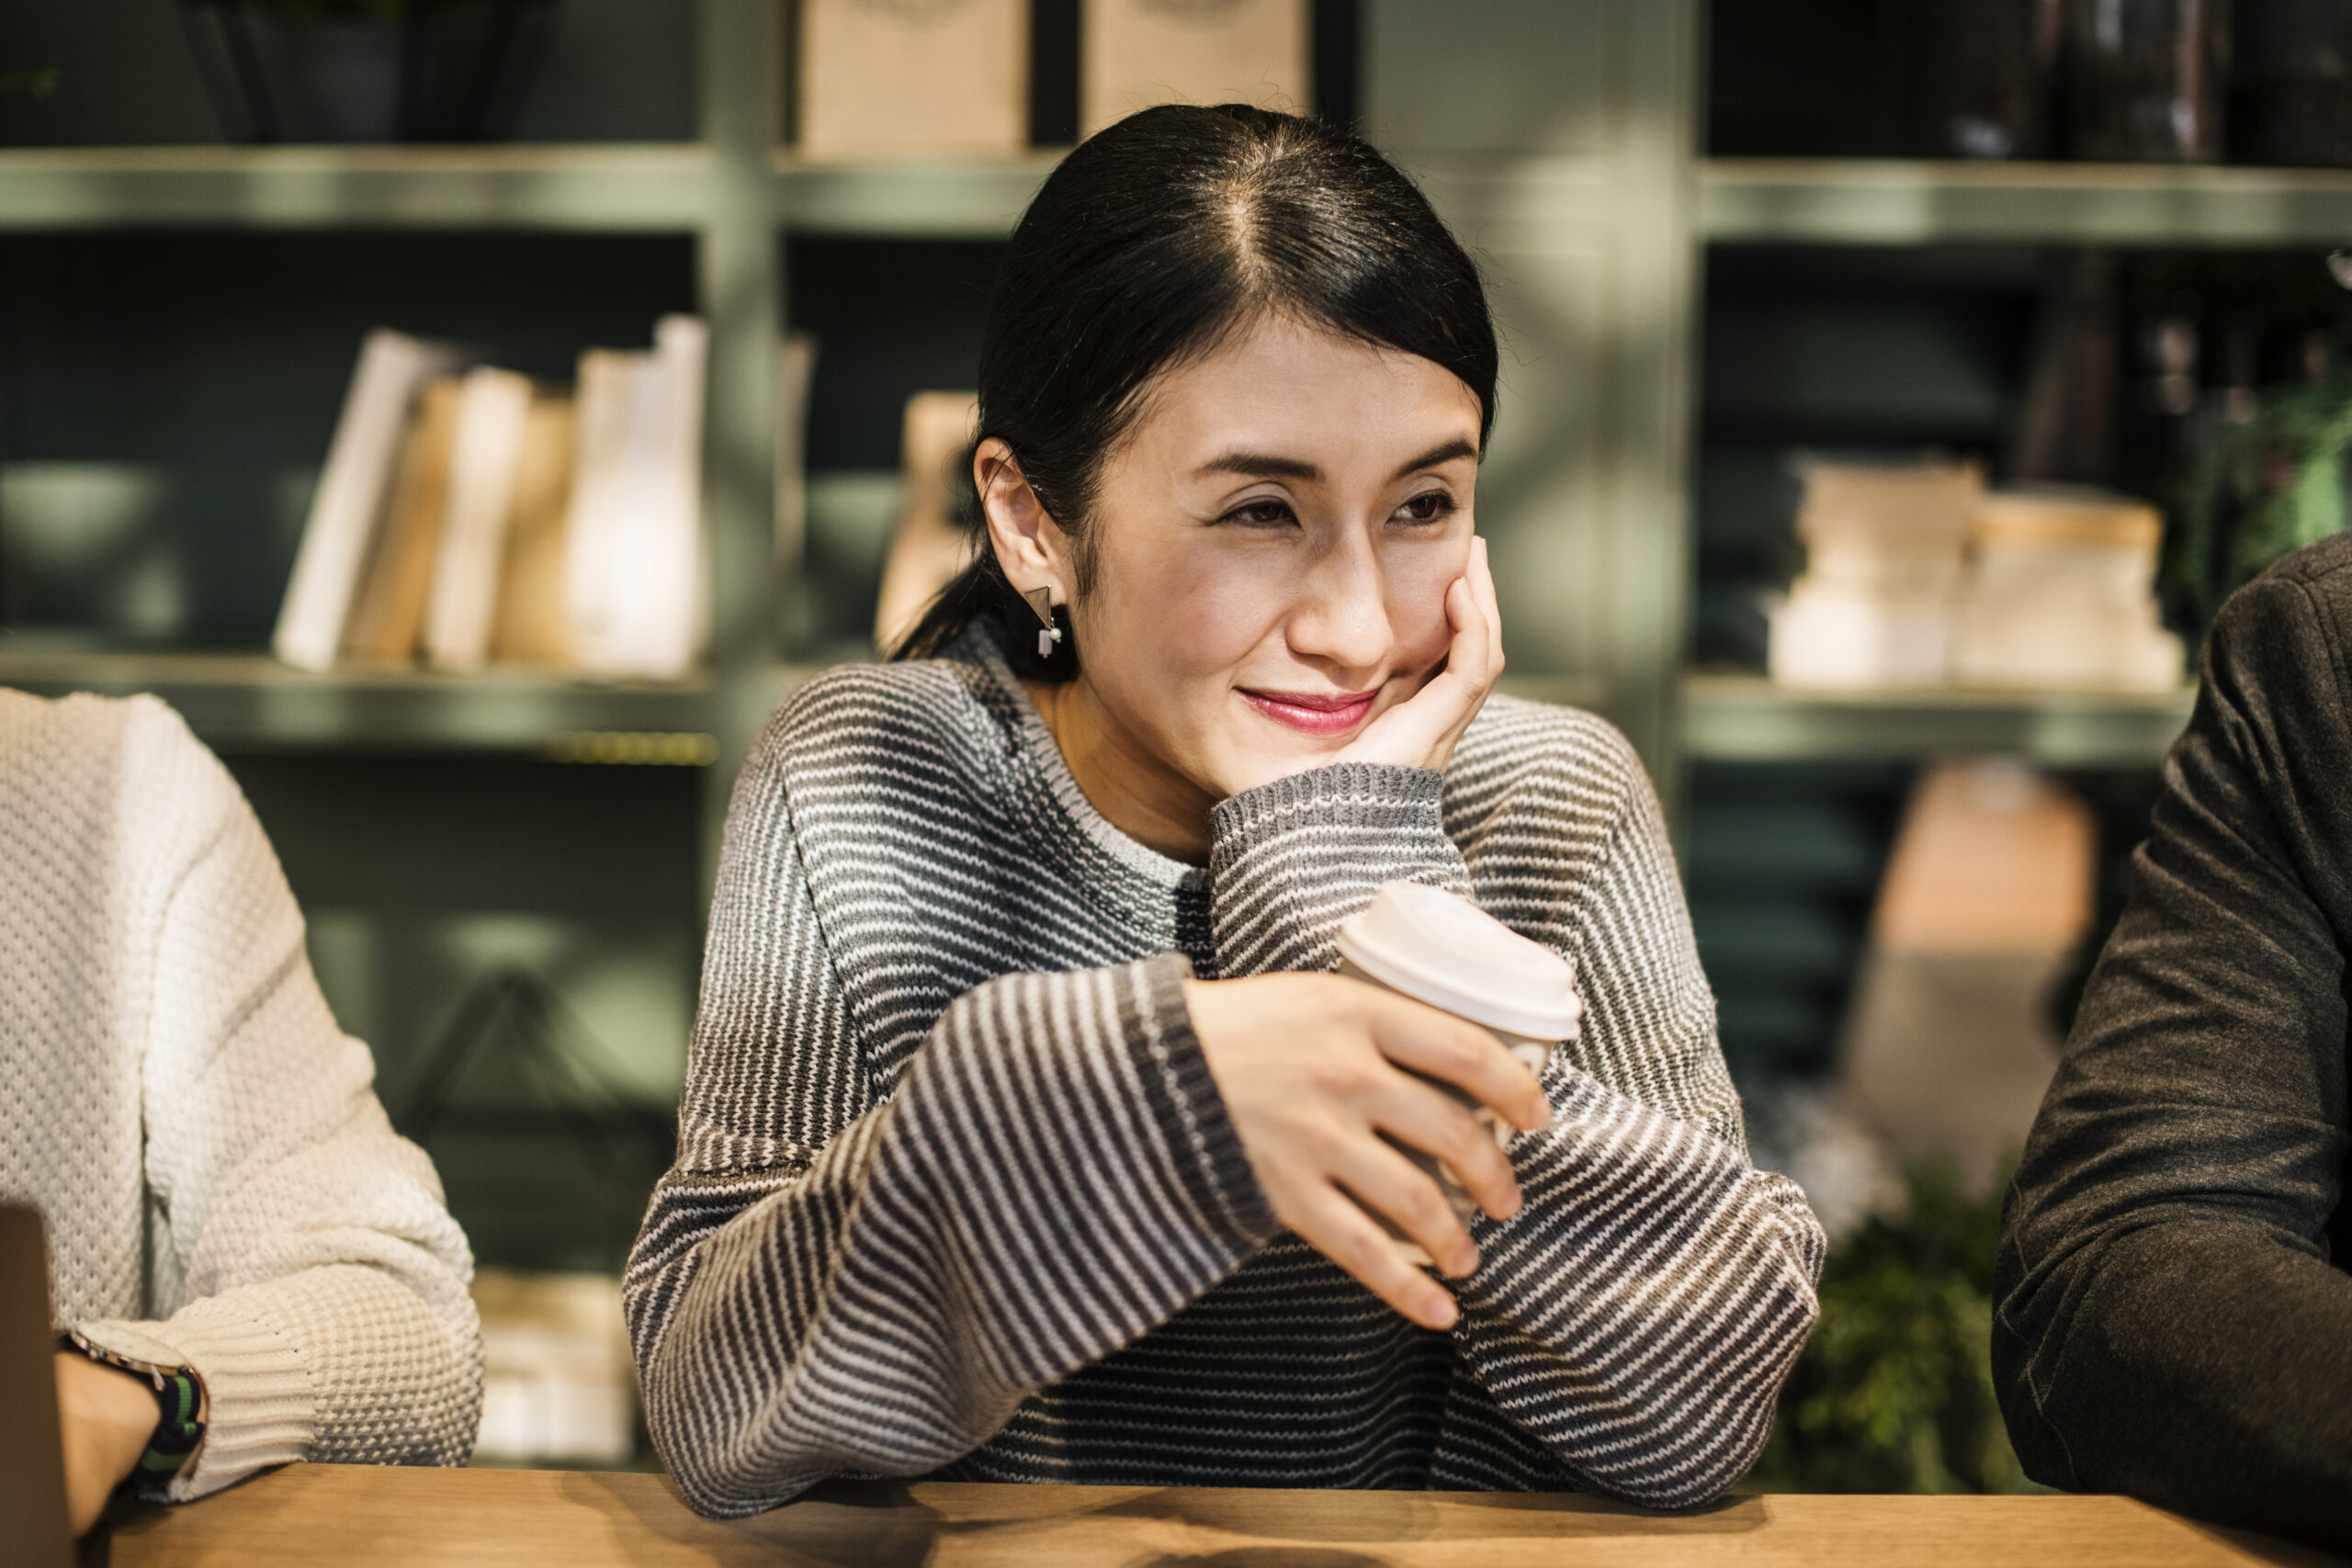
(250, 702)
(970, 199)
(1562, 138)
(1736, 718)
(1864, 201)
(590, 187)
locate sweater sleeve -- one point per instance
(325, 1285)
(2169, 1320)
(1640, 1313)
(844, 1275)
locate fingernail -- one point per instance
(1441, 1313)
(1509, 1206)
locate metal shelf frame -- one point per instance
(1746, 719)
(1899, 202)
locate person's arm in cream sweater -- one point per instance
(323, 1284)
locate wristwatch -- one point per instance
(179, 1407)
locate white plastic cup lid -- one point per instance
(1445, 951)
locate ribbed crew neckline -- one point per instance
(1045, 793)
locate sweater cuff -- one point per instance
(1373, 796)
(1186, 1102)
(259, 1409)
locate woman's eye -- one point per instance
(1428, 507)
(1267, 513)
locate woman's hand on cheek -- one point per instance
(1421, 732)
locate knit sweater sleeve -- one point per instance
(1640, 1313)
(848, 1273)
(324, 1284)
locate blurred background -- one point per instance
(1892, 390)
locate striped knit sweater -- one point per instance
(955, 1193)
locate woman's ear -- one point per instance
(1030, 546)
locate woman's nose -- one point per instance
(1342, 617)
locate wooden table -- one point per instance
(328, 1515)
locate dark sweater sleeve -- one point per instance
(2169, 1323)
(838, 1276)
(1639, 1314)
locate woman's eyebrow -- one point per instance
(1457, 448)
(1265, 466)
(1261, 466)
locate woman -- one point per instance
(1026, 1136)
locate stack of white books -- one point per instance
(2061, 593)
(558, 1383)
(1884, 556)
(466, 515)
(1916, 576)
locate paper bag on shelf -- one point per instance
(899, 78)
(1141, 52)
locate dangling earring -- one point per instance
(1042, 600)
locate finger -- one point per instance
(1418, 1113)
(1379, 1177)
(1482, 588)
(1468, 654)
(1335, 1226)
(1437, 1044)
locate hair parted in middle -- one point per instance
(1150, 244)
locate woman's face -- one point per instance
(1272, 547)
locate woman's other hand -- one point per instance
(105, 1417)
(1421, 732)
(1315, 1069)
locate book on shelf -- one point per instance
(940, 77)
(388, 611)
(347, 508)
(634, 576)
(516, 522)
(1136, 54)
(532, 624)
(485, 453)
(927, 548)
(796, 372)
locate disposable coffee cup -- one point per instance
(1441, 949)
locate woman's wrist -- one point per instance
(105, 1419)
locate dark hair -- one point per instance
(1149, 243)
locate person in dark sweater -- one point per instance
(2174, 1319)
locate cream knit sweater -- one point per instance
(222, 1187)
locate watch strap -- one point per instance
(179, 1408)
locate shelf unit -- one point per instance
(1573, 169)
(719, 190)
(598, 187)
(1895, 202)
(1744, 718)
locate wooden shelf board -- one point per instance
(251, 701)
(933, 198)
(634, 186)
(1894, 202)
(1738, 717)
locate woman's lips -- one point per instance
(1314, 713)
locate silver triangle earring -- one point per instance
(1042, 600)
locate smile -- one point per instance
(1313, 713)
